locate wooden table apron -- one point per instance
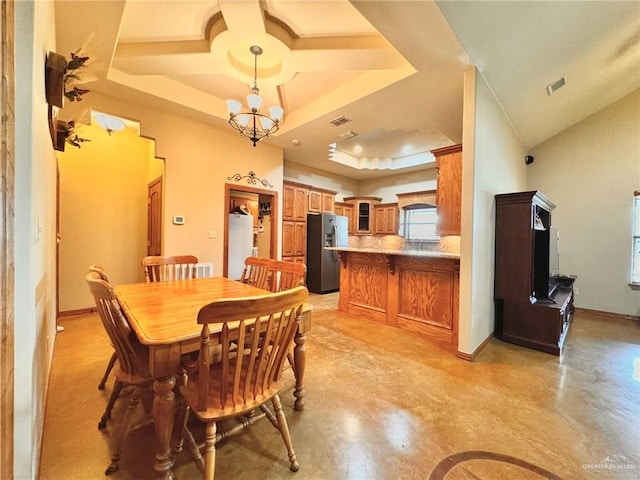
(163, 316)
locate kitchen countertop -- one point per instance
(407, 253)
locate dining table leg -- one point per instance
(164, 405)
(299, 361)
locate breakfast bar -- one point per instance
(413, 290)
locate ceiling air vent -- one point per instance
(341, 120)
(347, 134)
(555, 86)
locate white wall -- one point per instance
(35, 233)
(590, 172)
(493, 162)
(346, 187)
(387, 187)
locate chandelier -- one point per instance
(253, 124)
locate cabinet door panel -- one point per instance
(315, 201)
(288, 238)
(449, 190)
(288, 200)
(327, 202)
(348, 212)
(300, 203)
(300, 238)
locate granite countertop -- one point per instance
(388, 251)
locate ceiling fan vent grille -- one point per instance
(341, 120)
(347, 134)
(555, 86)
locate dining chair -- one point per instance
(286, 275)
(256, 272)
(96, 267)
(243, 379)
(131, 367)
(159, 269)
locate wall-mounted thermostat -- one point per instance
(178, 220)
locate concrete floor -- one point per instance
(387, 404)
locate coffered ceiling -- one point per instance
(368, 87)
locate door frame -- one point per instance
(273, 247)
(7, 236)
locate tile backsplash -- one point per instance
(446, 244)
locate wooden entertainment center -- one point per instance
(533, 308)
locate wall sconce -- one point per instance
(109, 123)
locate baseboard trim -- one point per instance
(470, 357)
(619, 316)
(79, 311)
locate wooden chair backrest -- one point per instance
(256, 272)
(248, 376)
(161, 269)
(116, 325)
(96, 267)
(286, 275)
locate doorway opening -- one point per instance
(263, 205)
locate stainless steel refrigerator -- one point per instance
(323, 266)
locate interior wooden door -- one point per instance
(154, 218)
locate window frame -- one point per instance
(404, 229)
(635, 242)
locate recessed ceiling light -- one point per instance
(407, 149)
(357, 149)
(109, 123)
(295, 142)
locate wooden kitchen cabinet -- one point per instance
(299, 200)
(321, 201)
(386, 218)
(315, 202)
(328, 201)
(294, 240)
(449, 189)
(363, 213)
(417, 294)
(252, 206)
(345, 209)
(294, 202)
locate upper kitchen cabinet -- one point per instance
(321, 201)
(345, 209)
(363, 213)
(251, 205)
(449, 189)
(386, 217)
(294, 202)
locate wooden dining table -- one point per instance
(163, 316)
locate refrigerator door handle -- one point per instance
(334, 241)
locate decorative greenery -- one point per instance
(76, 73)
(72, 138)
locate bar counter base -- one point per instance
(417, 294)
